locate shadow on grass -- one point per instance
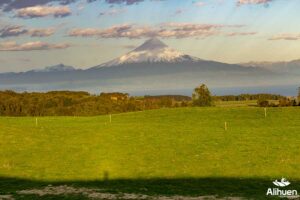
(255, 188)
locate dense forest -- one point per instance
(67, 103)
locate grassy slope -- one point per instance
(231, 104)
(187, 143)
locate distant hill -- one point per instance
(55, 68)
(285, 67)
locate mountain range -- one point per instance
(292, 67)
(153, 68)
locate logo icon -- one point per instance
(282, 183)
(280, 192)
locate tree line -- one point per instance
(67, 103)
(246, 97)
(203, 97)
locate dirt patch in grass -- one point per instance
(100, 194)
(6, 197)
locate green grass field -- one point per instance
(231, 104)
(183, 151)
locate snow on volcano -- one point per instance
(152, 51)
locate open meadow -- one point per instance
(184, 152)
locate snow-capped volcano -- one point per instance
(152, 51)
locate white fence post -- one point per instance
(265, 112)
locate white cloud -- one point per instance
(43, 11)
(41, 32)
(199, 4)
(167, 30)
(286, 36)
(243, 2)
(113, 11)
(240, 34)
(30, 46)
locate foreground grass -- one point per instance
(182, 151)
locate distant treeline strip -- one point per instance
(246, 97)
(67, 103)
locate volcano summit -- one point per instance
(152, 51)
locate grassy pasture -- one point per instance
(236, 103)
(183, 151)
(247, 103)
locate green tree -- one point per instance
(202, 96)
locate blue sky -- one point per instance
(36, 34)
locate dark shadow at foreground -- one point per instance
(223, 187)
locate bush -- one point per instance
(263, 103)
